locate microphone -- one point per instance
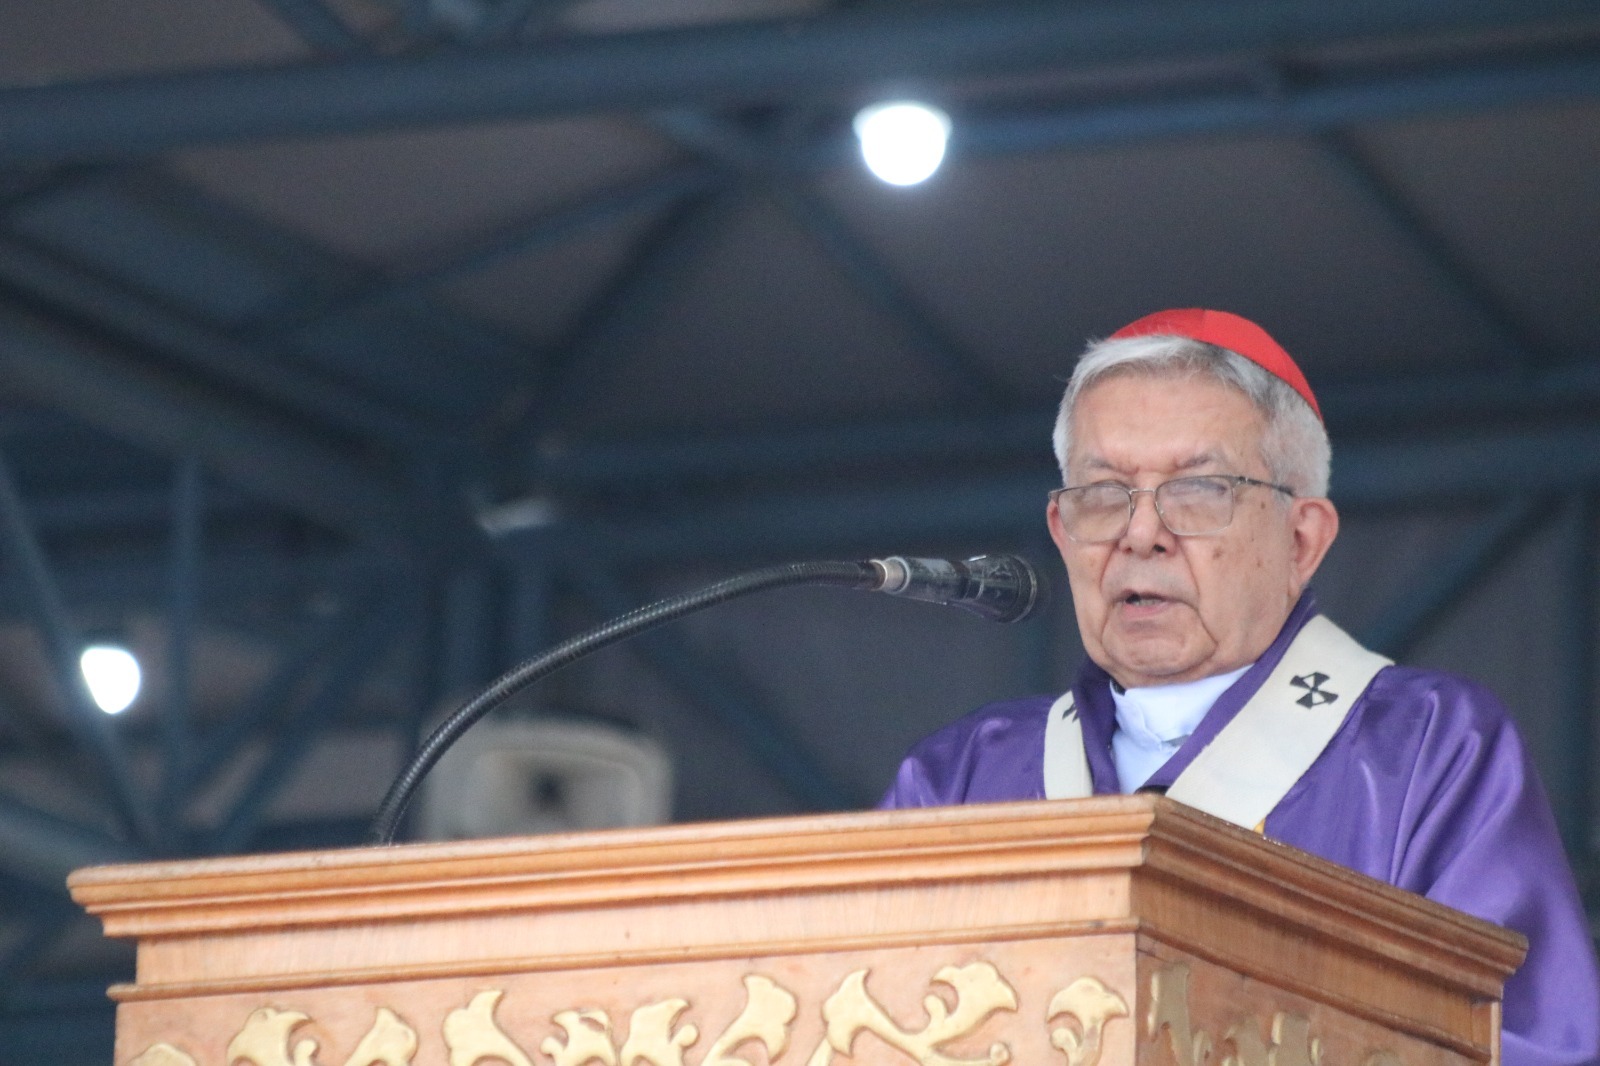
(1001, 588)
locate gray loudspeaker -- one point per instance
(545, 775)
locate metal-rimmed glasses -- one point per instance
(1188, 506)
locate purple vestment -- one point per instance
(1426, 785)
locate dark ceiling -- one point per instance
(353, 350)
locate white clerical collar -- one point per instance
(1154, 721)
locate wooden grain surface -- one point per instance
(1036, 884)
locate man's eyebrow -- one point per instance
(1099, 463)
(1201, 459)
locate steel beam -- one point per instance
(1522, 346)
(1368, 472)
(622, 308)
(709, 458)
(1354, 412)
(1009, 504)
(188, 516)
(972, 381)
(135, 575)
(526, 237)
(468, 646)
(41, 848)
(424, 672)
(1465, 465)
(508, 18)
(838, 54)
(128, 508)
(772, 526)
(275, 692)
(296, 732)
(1357, 412)
(699, 514)
(1418, 610)
(254, 367)
(530, 612)
(1335, 105)
(728, 146)
(63, 645)
(1580, 623)
(316, 24)
(168, 415)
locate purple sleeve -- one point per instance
(992, 755)
(1428, 786)
(1484, 841)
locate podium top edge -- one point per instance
(687, 842)
(1145, 838)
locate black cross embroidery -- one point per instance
(1315, 695)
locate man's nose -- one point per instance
(1146, 531)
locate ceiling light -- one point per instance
(902, 142)
(112, 674)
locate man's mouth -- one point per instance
(1142, 599)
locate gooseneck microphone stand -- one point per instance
(856, 575)
(1000, 588)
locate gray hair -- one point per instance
(1294, 446)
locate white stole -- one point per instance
(1253, 762)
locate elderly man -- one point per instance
(1193, 517)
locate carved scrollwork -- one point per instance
(768, 1012)
(1292, 1042)
(587, 1039)
(662, 1033)
(163, 1055)
(390, 1042)
(1242, 1045)
(652, 1038)
(473, 1036)
(264, 1041)
(1091, 1004)
(1169, 1014)
(979, 992)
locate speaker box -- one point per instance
(545, 775)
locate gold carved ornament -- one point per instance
(657, 1037)
(264, 1041)
(1291, 1041)
(767, 1014)
(979, 990)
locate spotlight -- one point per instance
(902, 142)
(112, 674)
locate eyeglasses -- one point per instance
(1188, 506)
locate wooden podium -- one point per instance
(1118, 930)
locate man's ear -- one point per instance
(1314, 523)
(1052, 518)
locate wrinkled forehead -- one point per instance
(1171, 419)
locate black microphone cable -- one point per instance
(1002, 588)
(860, 575)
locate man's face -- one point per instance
(1158, 609)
